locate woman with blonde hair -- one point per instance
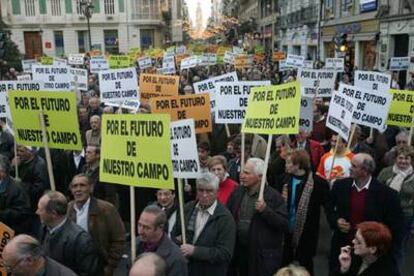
(218, 166)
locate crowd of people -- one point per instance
(364, 187)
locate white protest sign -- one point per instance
(181, 50)
(336, 64)
(231, 100)
(208, 86)
(283, 66)
(371, 108)
(144, 63)
(24, 77)
(76, 59)
(79, 78)
(59, 62)
(127, 104)
(55, 78)
(339, 117)
(311, 79)
(166, 71)
(168, 65)
(209, 59)
(27, 65)
(118, 85)
(373, 81)
(308, 64)
(184, 154)
(399, 63)
(306, 114)
(228, 57)
(295, 61)
(98, 63)
(189, 62)
(237, 50)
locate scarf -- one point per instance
(399, 177)
(302, 211)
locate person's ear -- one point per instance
(373, 250)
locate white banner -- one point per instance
(324, 80)
(371, 108)
(98, 63)
(168, 65)
(118, 85)
(399, 63)
(306, 114)
(231, 100)
(144, 63)
(189, 62)
(57, 62)
(308, 64)
(184, 154)
(228, 57)
(295, 61)
(373, 81)
(335, 64)
(27, 65)
(55, 78)
(76, 59)
(339, 117)
(283, 66)
(79, 79)
(24, 77)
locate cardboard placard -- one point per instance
(118, 85)
(153, 85)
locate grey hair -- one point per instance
(258, 165)
(4, 164)
(29, 247)
(367, 162)
(208, 179)
(160, 216)
(57, 203)
(402, 134)
(160, 266)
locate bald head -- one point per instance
(365, 161)
(149, 264)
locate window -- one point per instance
(55, 7)
(111, 41)
(145, 9)
(59, 45)
(83, 41)
(109, 6)
(346, 7)
(79, 9)
(330, 9)
(29, 6)
(147, 39)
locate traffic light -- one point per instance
(3, 37)
(341, 43)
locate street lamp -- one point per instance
(87, 8)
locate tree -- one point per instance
(9, 53)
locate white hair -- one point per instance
(258, 165)
(208, 179)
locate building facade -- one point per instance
(59, 27)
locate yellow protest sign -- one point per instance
(45, 60)
(273, 109)
(62, 126)
(153, 85)
(195, 107)
(119, 61)
(136, 150)
(6, 234)
(401, 108)
(277, 56)
(241, 62)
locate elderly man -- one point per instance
(261, 224)
(100, 219)
(152, 238)
(24, 256)
(149, 264)
(93, 135)
(63, 240)
(94, 107)
(361, 198)
(14, 202)
(210, 231)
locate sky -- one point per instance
(205, 7)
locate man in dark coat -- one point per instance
(261, 224)
(24, 255)
(100, 219)
(210, 231)
(361, 198)
(152, 238)
(14, 202)
(63, 240)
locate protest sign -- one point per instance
(118, 85)
(180, 50)
(27, 65)
(237, 50)
(372, 81)
(60, 62)
(119, 61)
(46, 60)
(278, 56)
(144, 63)
(241, 62)
(308, 64)
(306, 114)
(371, 108)
(295, 61)
(6, 235)
(283, 66)
(340, 112)
(208, 86)
(98, 63)
(79, 78)
(152, 85)
(76, 59)
(209, 59)
(399, 63)
(195, 107)
(228, 57)
(231, 100)
(335, 64)
(179, 58)
(54, 78)
(136, 150)
(184, 154)
(168, 65)
(401, 108)
(61, 119)
(273, 109)
(318, 83)
(24, 77)
(189, 62)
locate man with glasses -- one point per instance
(361, 198)
(24, 256)
(210, 231)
